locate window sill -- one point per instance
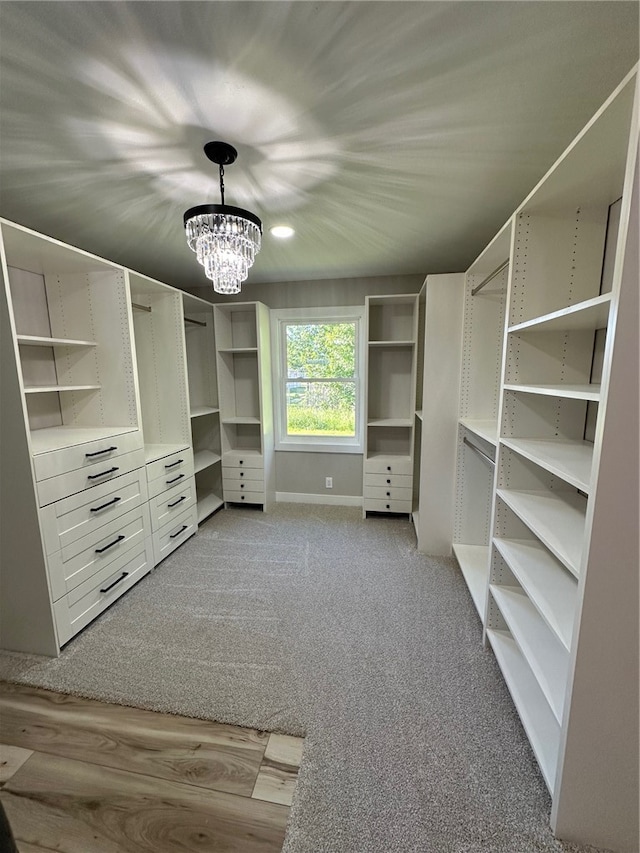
(313, 447)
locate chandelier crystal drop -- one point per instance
(225, 239)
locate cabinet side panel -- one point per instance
(26, 622)
(598, 790)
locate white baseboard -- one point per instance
(332, 500)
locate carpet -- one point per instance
(311, 621)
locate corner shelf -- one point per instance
(207, 505)
(484, 428)
(201, 411)
(204, 459)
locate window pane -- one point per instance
(321, 408)
(321, 350)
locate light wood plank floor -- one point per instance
(81, 776)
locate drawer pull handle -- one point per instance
(242, 473)
(173, 464)
(241, 497)
(179, 501)
(110, 545)
(182, 529)
(388, 467)
(175, 479)
(116, 581)
(102, 473)
(242, 485)
(388, 494)
(241, 462)
(100, 452)
(389, 482)
(388, 507)
(104, 506)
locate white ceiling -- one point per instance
(395, 137)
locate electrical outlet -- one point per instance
(328, 482)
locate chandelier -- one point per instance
(225, 239)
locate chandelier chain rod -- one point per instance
(222, 182)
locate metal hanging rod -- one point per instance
(141, 307)
(195, 322)
(490, 277)
(477, 450)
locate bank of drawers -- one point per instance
(388, 485)
(243, 478)
(172, 535)
(172, 501)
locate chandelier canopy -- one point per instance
(225, 239)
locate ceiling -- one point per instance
(395, 137)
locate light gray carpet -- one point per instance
(310, 620)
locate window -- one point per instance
(318, 386)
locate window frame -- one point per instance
(282, 317)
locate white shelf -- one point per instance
(483, 428)
(242, 451)
(570, 460)
(200, 411)
(55, 438)
(208, 504)
(548, 659)
(153, 452)
(204, 459)
(390, 422)
(37, 341)
(474, 565)
(569, 392)
(556, 518)
(240, 350)
(591, 314)
(391, 343)
(48, 389)
(537, 718)
(241, 420)
(551, 588)
(394, 457)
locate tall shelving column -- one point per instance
(558, 614)
(392, 331)
(162, 377)
(242, 336)
(484, 319)
(204, 409)
(439, 353)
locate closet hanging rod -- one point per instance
(477, 450)
(195, 322)
(141, 307)
(490, 277)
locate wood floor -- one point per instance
(81, 776)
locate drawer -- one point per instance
(171, 481)
(388, 465)
(387, 506)
(80, 560)
(167, 506)
(239, 475)
(56, 488)
(86, 455)
(238, 496)
(243, 487)
(174, 463)
(172, 535)
(72, 518)
(75, 610)
(400, 481)
(237, 459)
(387, 493)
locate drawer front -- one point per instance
(386, 494)
(78, 608)
(238, 496)
(242, 460)
(399, 481)
(80, 560)
(171, 481)
(172, 535)
(56, 488)
(240, 475)
(72, 518)
(387, 506)
(388, 465)
(243, 488)
(87, 455)
(167, 506)
(182, 460)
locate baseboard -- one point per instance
(331, 500)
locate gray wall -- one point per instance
(305, 473)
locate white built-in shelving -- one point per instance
(44, 341)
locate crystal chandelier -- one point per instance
(225, 239)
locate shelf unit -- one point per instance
(204, 408)
(242, 336)
(561, 609)
(390, 403)
(486, 283)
